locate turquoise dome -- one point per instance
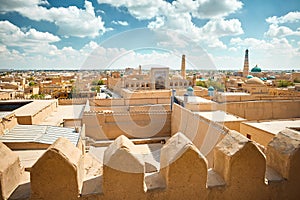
(249, 76)
(211, 88)
(272, 77)
(190, 89)
(256, 69)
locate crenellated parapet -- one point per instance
(283, 162)
(242, 165)
(10, 171)
(240, 171)
(183, 168)
(58, 173)
(123, 171)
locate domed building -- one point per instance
(255, 80)
(255, 69)
(255, 86)
(211, 90)
(190, 91)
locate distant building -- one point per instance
(158, 78)
(255, 69)
(255, 86)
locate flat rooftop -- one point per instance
(64, 112)
(33, 107)
(274, 126)
(234, 94)
(194, 100)
(219, 116)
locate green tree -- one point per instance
(284, 83)
(100, 82)
(201, 83)
(97, 82)
(31, 83)
(95, 88)
(37, 96)
(219, 86)
(31, 78)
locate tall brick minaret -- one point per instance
(183, 67)
(246, 64)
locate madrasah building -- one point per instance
(158, 78)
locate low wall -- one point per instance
(34, 113)
(201, 106)
(43, 113)
(133, 124)
(240, 98)
(122, 108)
(128, 101)
(74, 101)
(260, 136)
(128, 94)
(262, 110)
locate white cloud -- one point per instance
(158, 23)
(291, 17)
(274, 54)
(178, 15)
(71, 21)
(221, 27)
(251, 43)
(11, 35)
(143, 9)
(280, 31)
(209, 34)
(233, 49)
(208, 8)
(122, 23)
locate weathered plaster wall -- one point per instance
(260, 110)
(28, 115)
(10, 171)
(203, 133)
(260, 136)
(135, 124)
(58, 173)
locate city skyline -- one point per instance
(39, 34)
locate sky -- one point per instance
(108, 34)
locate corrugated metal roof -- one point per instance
(39, 134)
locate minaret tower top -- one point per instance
(183, 67)
(246, 64)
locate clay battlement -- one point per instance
(240, 171)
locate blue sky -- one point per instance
(102, 34)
